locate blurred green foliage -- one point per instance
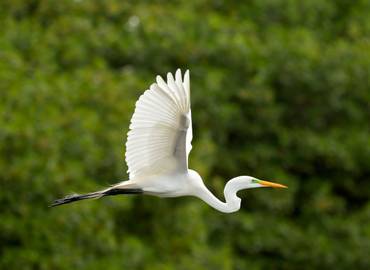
(280, 91)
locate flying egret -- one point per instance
(157, 149)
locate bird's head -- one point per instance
(247, 182)
(243, 182)
(257, 183)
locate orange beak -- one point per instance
(271, 184)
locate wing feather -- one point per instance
(160, 129)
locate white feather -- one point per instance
(160, 131)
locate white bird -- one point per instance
(157, 149)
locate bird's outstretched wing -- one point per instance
(160, 133)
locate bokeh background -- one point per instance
(280, 91)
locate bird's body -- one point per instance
(157, 150)
(165, 185)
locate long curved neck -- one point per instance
(232, 203)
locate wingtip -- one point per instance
(178, 72)
(170, 77)
(160, 80)
(187, 77)
(153, 86)
(178, 76)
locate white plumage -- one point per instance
(160, 129)
(157, 150)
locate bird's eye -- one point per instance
(254, 181)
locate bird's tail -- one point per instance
(96, 195)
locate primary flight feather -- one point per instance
(157, 149)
